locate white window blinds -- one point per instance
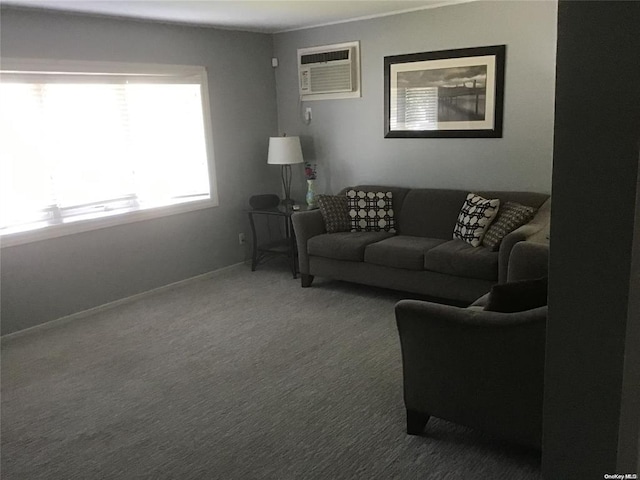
(416, 109)
(83, 145)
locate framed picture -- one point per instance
(449, 93)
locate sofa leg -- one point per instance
(416, 421)
(306, 280)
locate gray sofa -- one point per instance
(421, 257)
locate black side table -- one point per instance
(283, 246)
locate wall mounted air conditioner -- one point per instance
(329, 71)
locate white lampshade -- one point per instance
(284, 151)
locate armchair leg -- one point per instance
(416, 421)
(306, 280)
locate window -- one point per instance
(416, 109)
(79, 146)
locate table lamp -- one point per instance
(285, 151)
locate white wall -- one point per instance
(52, 278)
(346, 137)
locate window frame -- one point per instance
(14, 66)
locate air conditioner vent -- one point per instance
(324, 57)
(337, 79)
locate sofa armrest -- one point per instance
(536, 230)
(482, 369)
(528, 260)
(306, 225)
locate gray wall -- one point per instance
(592, 376)
(345, 137)
(49, 279)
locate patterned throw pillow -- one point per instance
(335, 212)
(474, 219)
(371, 211)
(510, 216)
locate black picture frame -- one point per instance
(445, 94)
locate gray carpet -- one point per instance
(240, 376)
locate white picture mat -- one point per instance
(488, 60)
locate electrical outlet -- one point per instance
(241, 239)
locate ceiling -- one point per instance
(252, 15)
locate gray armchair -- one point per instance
(478, 368)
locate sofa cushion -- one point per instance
(401, 251)
(510, 216)
(480, 302)
(335, 212)
(474, 219)
(371, 211)
(429, 212)
(344, 245)
(457, 257)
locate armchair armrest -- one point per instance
(478, 368)
(535, 230)
(306, 225)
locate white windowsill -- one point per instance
(55, 231)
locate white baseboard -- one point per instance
(123, 301)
